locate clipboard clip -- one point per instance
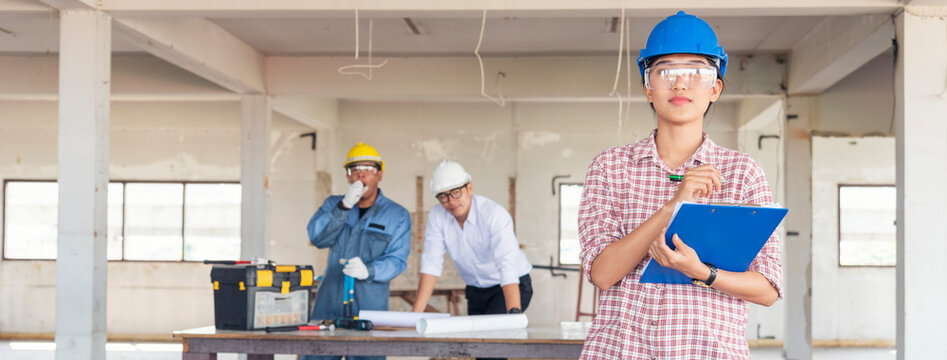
(730, 204)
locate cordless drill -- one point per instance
(349, 319)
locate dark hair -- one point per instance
(713, 62)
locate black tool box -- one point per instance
(248, 297)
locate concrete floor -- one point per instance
(40, 350)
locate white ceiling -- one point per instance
(502, 36)
(32, 35)
(440, 36)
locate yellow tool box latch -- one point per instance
(216, 285)
(264, 278)
(285, 268)
(285, 289)
(242, 286)
(305, 278)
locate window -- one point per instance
(212, 222)
(146, 221)
(30, 219)
(154, 218)
(867, 226)
(569, 248)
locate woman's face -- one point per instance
(678, 93)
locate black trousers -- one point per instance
(483, 301)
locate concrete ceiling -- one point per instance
(35, 35)
(438, 36)
(506, 36)
(228, 43)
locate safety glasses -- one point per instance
(663, 76)
(454, 193)
(361, 169)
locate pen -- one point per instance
(679, 178)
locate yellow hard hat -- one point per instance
(362, 152)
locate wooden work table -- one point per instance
(553, 342)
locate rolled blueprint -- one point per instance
(396, 318)
(472, 323)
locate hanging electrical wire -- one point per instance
(614, 92)
(628, 73)
(499, 100)
(621, 53)
(348, 69)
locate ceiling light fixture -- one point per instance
(412, 26)
(8, 32)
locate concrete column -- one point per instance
(797, 272)
(921, 141)
(254, 176)
(85, 51)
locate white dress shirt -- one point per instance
(485, 250)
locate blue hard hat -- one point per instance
(683, 34)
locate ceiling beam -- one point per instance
(134, 77)
(71, 4)
(835, 48)
(559, 78)
(194, 44)
(22, 7)
(920, 4)
(758, 113)
(201, 47)
(523, 8)
(927, 8)
(317, 113)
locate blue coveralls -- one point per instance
(381, 238)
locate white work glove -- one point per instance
(353, 194)
(355, 268)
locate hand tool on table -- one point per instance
(300, 328)
(254, 261)
(226, 262)
(349, 319)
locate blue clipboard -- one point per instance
(728, 236)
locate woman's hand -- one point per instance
(682, 258)
(698, 182)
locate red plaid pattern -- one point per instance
(624, 186)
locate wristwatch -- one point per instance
(710, 279)
(515, 310)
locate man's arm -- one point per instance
(425, 289)
(507, 255)
(328, 222)
(511, 292)
(432, 260)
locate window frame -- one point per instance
(559, 225)
(838, 226)
(184, 183)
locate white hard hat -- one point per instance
(448, 175)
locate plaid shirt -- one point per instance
(624, 187)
